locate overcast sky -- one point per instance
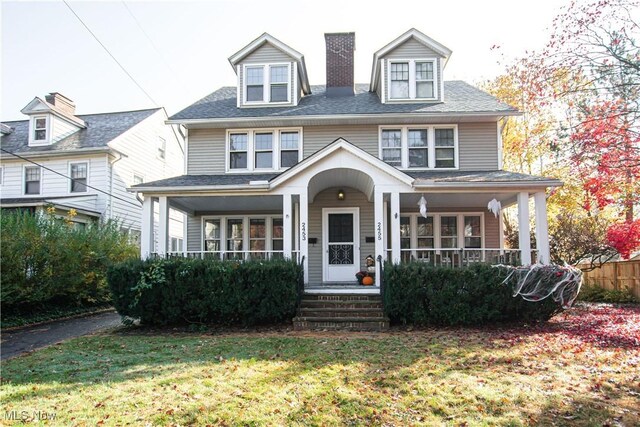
(177, 51)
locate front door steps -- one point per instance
(356, 312)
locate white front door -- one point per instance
(341, 244)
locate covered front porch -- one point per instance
(340, 206)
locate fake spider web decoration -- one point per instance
(537, 282)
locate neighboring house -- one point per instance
(59, 159)
(332, 174)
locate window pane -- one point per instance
(238, 141)
(238, 161)
(41, 123)
(264, 160)
(392, 156)
(399, 90)
(391, 138)
(444, 138)
(288, 158)
(277, 245)
(255, 93)
(32, 173)
(264, 141)
(425, 226)
(41, 134)
(289, 141)
(32, 187)
(340, 228)
(79, 185)
(234, 228)
(444, 158)
(79, 170)
(277, 232)
(279, 74)
(424, 70)
(425, 243)
(255, 76)
(473, 242)
(449, 226)
(257, 245)
(257, 228)
(424, 90)
(212, 229)
(400, 71)
(471, 226)
(449, 242)
(418, 157)
(417, 138)
(212, 245)
(279, 93)
(405, 228)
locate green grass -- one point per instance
(428, 377)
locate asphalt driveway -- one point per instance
(29, 338)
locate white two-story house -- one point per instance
(403, 167)
(57, 159)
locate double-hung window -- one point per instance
(79, 173)
(257, 237)
(263, 149)
(243, 237)
(424, 147)
(277, 236)
(412, 79)
(391, 146)
(472, 232)
(39, 128)
(32, 180)
(449, 231)
(212, 235)
(268, 83)
(235, 237)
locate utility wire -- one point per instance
(169, 67)
(110, 54)
(69, 178)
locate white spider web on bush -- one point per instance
(537, 282)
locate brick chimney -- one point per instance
(61, 102)
(340, 49)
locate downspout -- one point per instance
(111, 163)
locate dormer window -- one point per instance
(267, 83)
(412, 79)
(40, 128)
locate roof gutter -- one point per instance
(199, 188)
(59, 153)
(488, 184)
(186, 122)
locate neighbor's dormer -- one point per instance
(270, 74)
(51, 119)
(409, 69)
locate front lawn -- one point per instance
(582, 368)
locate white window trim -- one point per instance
(24, 180)
(412, 78)
(78, 162)
(251, 151)
(161, 145)
(32, 130)
(245, 230)
(1, 175)
(413, 226)
(266, 83)
(430, 145)
(139, 175)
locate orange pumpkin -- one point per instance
(367, 280)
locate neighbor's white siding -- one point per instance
(60, 129)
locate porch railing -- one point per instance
(231, 255)
(461, 257)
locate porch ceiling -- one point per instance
(341, 177)
(227, 204)
(409, 201)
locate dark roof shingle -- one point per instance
(460, 97)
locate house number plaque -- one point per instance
(379, 231)
(304, 231)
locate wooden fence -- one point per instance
(616, 276)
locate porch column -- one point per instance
(287, 229)
(542, 228)
(378, 219)
(524, 239)
(163, 226)
(146, 224)
(395, 228)
(304, 231)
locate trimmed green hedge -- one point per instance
(183, 290)
(416, 293)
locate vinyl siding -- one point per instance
(478, 146)
(408, 50)
(194, 233)
(61, 129)
(267, 54)
(206, 151)
(327, 199)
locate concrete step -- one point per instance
(340, 312)
(346, 323)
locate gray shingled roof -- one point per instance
(420, 177)
(460, 97)
(474, 176)
(100, 130)
(205, 180)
